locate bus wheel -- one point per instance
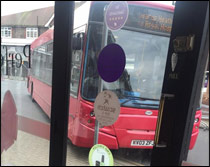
(32, 89)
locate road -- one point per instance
(26, 108)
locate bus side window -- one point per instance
(76, 64)
(36, 63)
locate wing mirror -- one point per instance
(77, 41)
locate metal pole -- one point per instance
(100, 81)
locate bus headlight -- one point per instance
(196, 120)
(92, 114)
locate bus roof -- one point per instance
(153, 5)
(48, 35)
(45, 37)
(148, 4)
(82, 12)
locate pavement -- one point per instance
(34, 149)
(32, 145)
(205, 117)
(199, 155)
(205, 110)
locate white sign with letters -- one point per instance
(106, 108)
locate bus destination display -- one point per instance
(150, 19)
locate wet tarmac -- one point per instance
(135, 157)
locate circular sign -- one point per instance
(100, 155)
(111, 62)
(116, 15)
(106, 108)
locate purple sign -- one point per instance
(111, 62)
(116, 15)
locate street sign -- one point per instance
(111, 62)
(106, 108)
(100, 155)
(116, 15)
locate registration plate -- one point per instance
(142, 143)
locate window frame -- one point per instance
(5, 29)
(31, 31)
(42, 53)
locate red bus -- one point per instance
(145, 40)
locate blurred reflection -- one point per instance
(8, 122)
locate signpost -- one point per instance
(100, 82)
(111, 64)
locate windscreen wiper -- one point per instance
(141, 99)
(130, 98)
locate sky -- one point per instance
(11, 7)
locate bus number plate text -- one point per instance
(142, 143)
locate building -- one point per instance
(20, 29)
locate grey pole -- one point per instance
(100, 81)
